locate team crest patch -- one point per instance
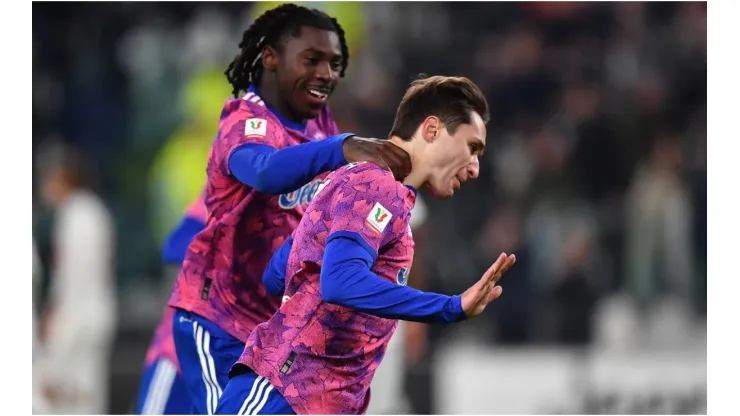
(402, 278)
(255, 127)
(379, 217)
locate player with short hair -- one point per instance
(162, 390)
(278, 137)
(343, 273)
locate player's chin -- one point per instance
(442, 192)
(309, 112)
(311, 106)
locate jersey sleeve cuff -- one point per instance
(337, 156)
(456, 312)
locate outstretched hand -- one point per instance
(485, 290)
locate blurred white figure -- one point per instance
(659, 258)
(616, 323)
(79, 323)
(38, 401)
(387, 392)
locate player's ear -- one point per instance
(431, 128)
(270, 58)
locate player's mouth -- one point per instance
(456, 184)
(318, 95)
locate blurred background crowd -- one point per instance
(594, 175)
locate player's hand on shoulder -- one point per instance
(382, 152)
(485, 290)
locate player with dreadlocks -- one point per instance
(275, 144)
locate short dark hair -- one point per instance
(452, 99)
(269, 29)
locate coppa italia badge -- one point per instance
(379, 217)
(255, 127)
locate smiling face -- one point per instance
(306, 70)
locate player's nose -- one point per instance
(325, 73)
(473, 168)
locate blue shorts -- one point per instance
(250, 394)
(206, 354)
(162, 391)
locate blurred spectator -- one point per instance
(513, 313)
(699, 220)
(79, 322)
(658, 226)
(38, 401)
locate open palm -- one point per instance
(485, 290)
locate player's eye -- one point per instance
(475, 150)
(313, 61)
(336, 65)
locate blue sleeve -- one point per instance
(346, 280)
(274, 172)
(176, 244)
(274, 276)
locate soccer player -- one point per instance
(162, 390)
(343, 273)
(273, 147)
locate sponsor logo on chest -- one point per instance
(301, 197)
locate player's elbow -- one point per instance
(255, 166)
(264, 184)
(331, 291)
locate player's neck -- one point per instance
(417, 177)
(271, 96)
(61, 196)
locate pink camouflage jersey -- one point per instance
(163, 344)
(221, 276)
(321, 357)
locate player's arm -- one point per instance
(193, 222)
(256, 153)
(274, 276)
(176, 244)
(367, 215)
(272, 171)
(347, 280)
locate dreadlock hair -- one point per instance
(269, 29)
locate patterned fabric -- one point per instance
(321, 357)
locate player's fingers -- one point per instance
(495, 267)
(510, 260)
(494, 294)
(500, 264)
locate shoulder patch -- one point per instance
(255, 127)
(379, 217)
